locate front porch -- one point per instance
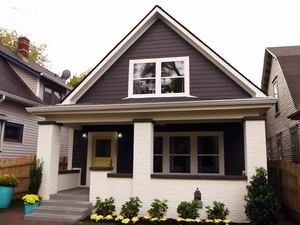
(166, 160)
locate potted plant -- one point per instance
(31, 201)
(7, 184)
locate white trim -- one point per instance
(19, 99)
(38, 87)
(157, 78)
(193, 151)
(158, 13)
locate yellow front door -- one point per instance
(102, 151)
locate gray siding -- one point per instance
(64, 141)
(280, 123)
(29, 79)
(206, 80)
(16, 113)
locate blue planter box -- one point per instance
(6, 194)
(29, 207)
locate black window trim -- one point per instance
(53, 90)
(18, 125)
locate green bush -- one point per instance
(262, 205)
(218, 211)
(105, 207)
(8, 180)
(35, 176)
(158, 208)
(131, 208)
(188, 210)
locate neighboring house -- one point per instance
(281, 79)
(160, 116)
(23, 84)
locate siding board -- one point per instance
(160, 41)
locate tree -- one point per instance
(76, 79)
(36, 52)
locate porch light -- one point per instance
(197, 198)
(120, 135)
(84, 135)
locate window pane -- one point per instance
(103, 147)
(172, 69)
(179, 164)
(157, 164)
(144, 86)
(13, 132)
(158, 145)
(208, 164)
(208, 145)
(172, 85)
(179, 145)
(48, 90)
(144, 70)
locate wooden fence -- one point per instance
(285, 178)
(20, 168)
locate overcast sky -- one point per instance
(79, 34)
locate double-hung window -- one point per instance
(161, 77)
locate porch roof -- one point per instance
(228, 104)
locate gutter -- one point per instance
(18, 99)
(156, 107)
(2, 98)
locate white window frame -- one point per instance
(158, 62)
(193, 151)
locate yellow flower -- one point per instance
(119, 217)
(179, 219)
(31, 199)
(208, 221)
(197, 220)
(189, 220)
(94, 216)
(147, 217)
(108, 217)
(126, 220)
(163, 219)
(226, 222)
(135, 219)
(154, 219)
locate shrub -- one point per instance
(105, 207)
(262, 205)
(9, 180)
(188, 210)
(218, 211)
(131, 208)
(35, 176)
(158, 208)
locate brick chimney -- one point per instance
(23, 47)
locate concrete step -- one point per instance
(54, 217)
(66, 203)
(69, 197)
(84, 211)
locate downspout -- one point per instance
(2, 124)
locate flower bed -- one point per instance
(146, 220)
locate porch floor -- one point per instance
(82, 191)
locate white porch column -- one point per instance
(48, 147)
(255, 146)
(142, 160)
(70, 148)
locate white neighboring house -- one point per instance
(24, 84)
(160, 116)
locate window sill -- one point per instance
(68, 171)
(120, 175)
(198, 177)
(159, 96)
(101, 168)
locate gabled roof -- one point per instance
(289, 60)
(12, 86)
(158, 13)
(33, 68)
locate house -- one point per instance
(281, 76)
(24, 84)
(160, 116)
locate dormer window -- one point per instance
(161, 77)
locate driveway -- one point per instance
(16, 217)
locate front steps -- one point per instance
(64, 207)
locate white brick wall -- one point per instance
(68, 181)
(255, 146)
(175, 191)
(48, 150)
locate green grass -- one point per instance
(14, 204)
